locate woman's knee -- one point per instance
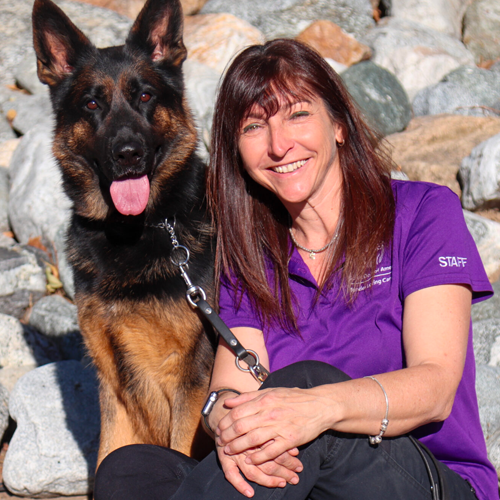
(305, 374)
(124, 472)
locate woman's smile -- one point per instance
(291, 167)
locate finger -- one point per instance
(257, 475)
(234, 444)
(232, 474)
(289, 461)
(275, 470)
(267, 453)
(242, 398)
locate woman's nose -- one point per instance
(280, 140)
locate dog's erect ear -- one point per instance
(58, 42)
(158, 31)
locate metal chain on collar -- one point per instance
(196, 296)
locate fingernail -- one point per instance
(294, 480)
(249, 493)
(299, 468)
(282, 484)
(248, 460)
(227, 450)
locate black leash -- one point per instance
(196, 296)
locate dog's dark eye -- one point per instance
(92, 105)
(145, 97)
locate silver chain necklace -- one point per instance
(312, 253)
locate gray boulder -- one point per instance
(32, 110)
(486, 234)
(417, 55)
(27, 78)
(22, 280)
(4, 200)
(465, 91)
(440, 15)
(488, 395)
(380, 96)
(37, 203)
(486, 332)
(487, 309)
(103, 26)
(482, 29)
(61, 257)
(287, 18)
(6, 131)
(480, 175)
(54, 448)
(201, 86)
(57, 319)
(20, 345)
(4, 410)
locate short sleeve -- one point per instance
(235, 308)
(438, 247)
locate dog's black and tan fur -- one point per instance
(121, 114)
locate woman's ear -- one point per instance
(340, 135)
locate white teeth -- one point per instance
(283, 169)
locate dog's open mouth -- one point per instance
(130, 196)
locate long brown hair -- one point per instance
(252, 224)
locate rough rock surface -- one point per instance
(440, 15)
(213, 39)
(486, 234)
(480, 175)
(486, 332)
(54, 448)
(417, 55)
(4, 410)
(482, 29)
(431, 148)
(7, 149)
(487, 309)
(37, 204)
(31, 111)
(4, 199)
(332, 42)
(465, 91)
(287, 18)
(201, 85)
(380, 96)
(22, 280)
(104, 27)
(21, 346)
(57, 318)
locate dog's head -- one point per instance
(123, 130)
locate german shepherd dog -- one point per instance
(125, 142)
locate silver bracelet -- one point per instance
(385, 422)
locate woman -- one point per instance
(322, 258)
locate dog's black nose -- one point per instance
(128, 154)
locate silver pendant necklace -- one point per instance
(312, 253)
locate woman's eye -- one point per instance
(145, 97)
(251, 127)
(92, 105)
(298, 114)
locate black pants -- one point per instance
(336, 465)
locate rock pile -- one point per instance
(429, 86)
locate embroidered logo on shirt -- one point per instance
(382, 275)
(452, 261)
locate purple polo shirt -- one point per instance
(432, 246)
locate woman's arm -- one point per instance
(435, 332)
(279, 470)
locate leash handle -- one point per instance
(248, 356)
(196, 296)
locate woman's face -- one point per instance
(294, 152)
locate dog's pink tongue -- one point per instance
(130, 196)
